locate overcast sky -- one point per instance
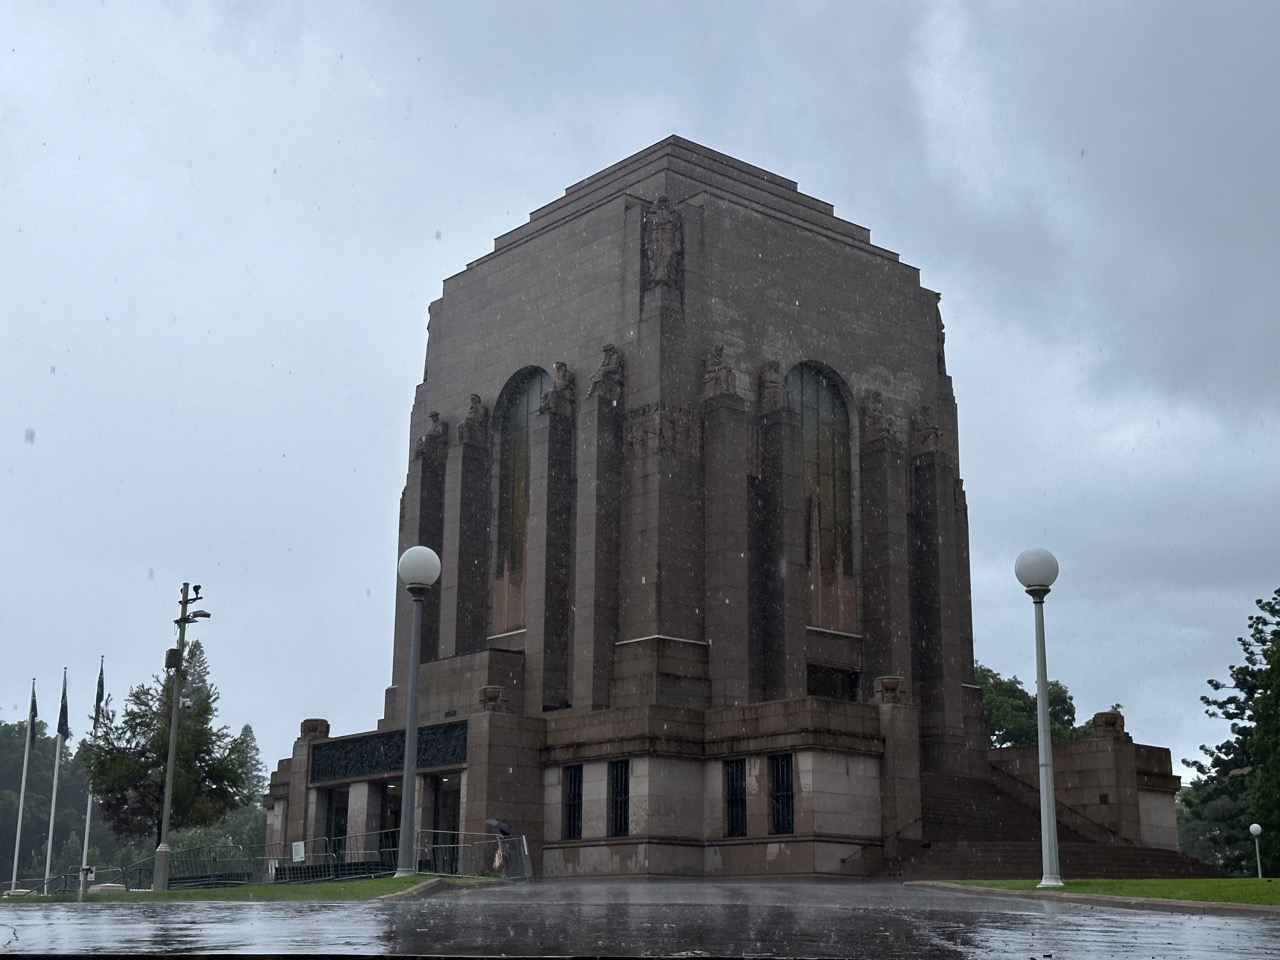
(221, 225)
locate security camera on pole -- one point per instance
(173, 661)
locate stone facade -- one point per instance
(705, 596)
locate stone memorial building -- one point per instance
(686, 446)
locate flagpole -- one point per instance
(63, 731)
(88, 810)
(22, 793)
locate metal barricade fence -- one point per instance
(217, 866)
(302, 861)
(322, 858)
(473, 855)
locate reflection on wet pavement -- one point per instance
(650, 918)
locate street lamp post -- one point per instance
(1256, 830)
(419, 568)
(173, 660)
(1036, 570)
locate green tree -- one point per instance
(72, 798)
(1240, 782)
(1010, 710)
(213, 770)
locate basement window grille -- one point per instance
(619, 798)
(735, 797)
(781, 796)
(571, 784)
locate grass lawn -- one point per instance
(1231, 890)
(365, 888)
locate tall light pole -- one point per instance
(173, 661)
(419, 568)
(1036, 569)
(1256, 830)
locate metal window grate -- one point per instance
(619, 798)
(781, 799)
(735, 797)
(571, 784)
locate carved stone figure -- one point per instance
(942, 337)
(719, 380)
(663, 245)
(607, 380)
(435, 442)
(879, 425)
(559, 399)
(926, 435)
(773, 391)
(474, 430)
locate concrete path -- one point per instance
(808, 918)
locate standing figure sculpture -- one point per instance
(773, 391)
(663, 245)
(718, 380)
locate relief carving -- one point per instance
(439, 745)
(658, 428)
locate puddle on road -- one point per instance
(654, 920)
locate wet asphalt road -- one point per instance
(808, 918)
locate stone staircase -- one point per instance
(976, 860)
(975, 830)
(964, 809)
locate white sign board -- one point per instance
(299, 851)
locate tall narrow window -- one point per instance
(735, 797)
(517, 407)
(828, 498)
(619, 798)
(781, 797)
(571, 801)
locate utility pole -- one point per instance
(173, 660)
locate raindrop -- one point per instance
(30, 436)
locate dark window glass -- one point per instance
(781, 799)
(520, 406)
(517, 406)
(832, 682)
(827, 498)
(571, 785)
(619, 798)
(735, 797)
(828, 481)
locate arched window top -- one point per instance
(529, 381)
